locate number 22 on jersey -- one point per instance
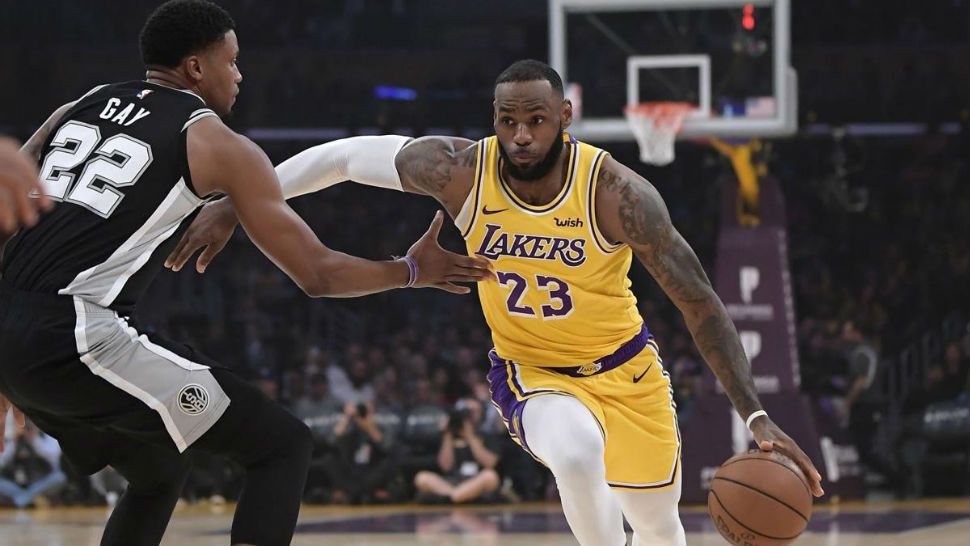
(119, 161)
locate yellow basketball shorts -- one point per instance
(633, 404)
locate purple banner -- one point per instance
(753, 282)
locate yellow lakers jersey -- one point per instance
(563, 296)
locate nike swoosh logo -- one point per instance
(486, 211)
(637, 378)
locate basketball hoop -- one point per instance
(655, 125)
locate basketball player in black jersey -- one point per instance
(129, 163)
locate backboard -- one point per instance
(729, 58)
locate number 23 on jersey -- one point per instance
(560, 302)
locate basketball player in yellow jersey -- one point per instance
(575, 372)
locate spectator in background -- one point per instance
(315, 360)
(321, 412)
(362, 464)
(466, 464)
(956, 368)
(686, 370)
(860, 408)
(30, 466)
(267, 382)
(295, 386)
(944, 381)
(862, 363)
(354, 385)
(318, 401)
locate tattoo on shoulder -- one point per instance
(646, 223)
(641, 218)
(428, 165)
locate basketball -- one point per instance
(759, 499)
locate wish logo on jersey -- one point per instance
(497, 242)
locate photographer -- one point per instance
(467, 466)
(362, 464)
(30, 466)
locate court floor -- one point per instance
(922, 523)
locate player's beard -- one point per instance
(540, 169)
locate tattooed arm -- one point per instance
(629, 210)
(442, 167)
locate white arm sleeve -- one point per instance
(367, 160)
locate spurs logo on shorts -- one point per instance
(193, 399)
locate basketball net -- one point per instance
(655, 125)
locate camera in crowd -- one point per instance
(456, 420)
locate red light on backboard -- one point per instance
(747, 21)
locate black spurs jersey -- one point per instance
(116, 163)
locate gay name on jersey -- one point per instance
(497, 242)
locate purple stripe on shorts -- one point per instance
(509, 405)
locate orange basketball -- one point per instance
(760, 499)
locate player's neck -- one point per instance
(544, 190)
(169, 78)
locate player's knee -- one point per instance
(301, 441)
(575, 466)
(289, 439)
(421, 480)
(490, 480)
(577, 458)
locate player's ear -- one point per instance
(494, 112)
(193, 67)
(567, 113)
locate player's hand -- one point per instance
(439, 268)
(18, 180)
(467, 430)
(771, 438)
(18, 416)
(211, 229)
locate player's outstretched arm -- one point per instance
(222, 161)
(439, 166)
(18, 178)
(630, 210)
(442, 167)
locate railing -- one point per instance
(899, 375)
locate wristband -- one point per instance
(754, 416)
(412, 271)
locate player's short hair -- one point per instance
(179, 28)
(529, 70)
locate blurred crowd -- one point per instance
(881, 263)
